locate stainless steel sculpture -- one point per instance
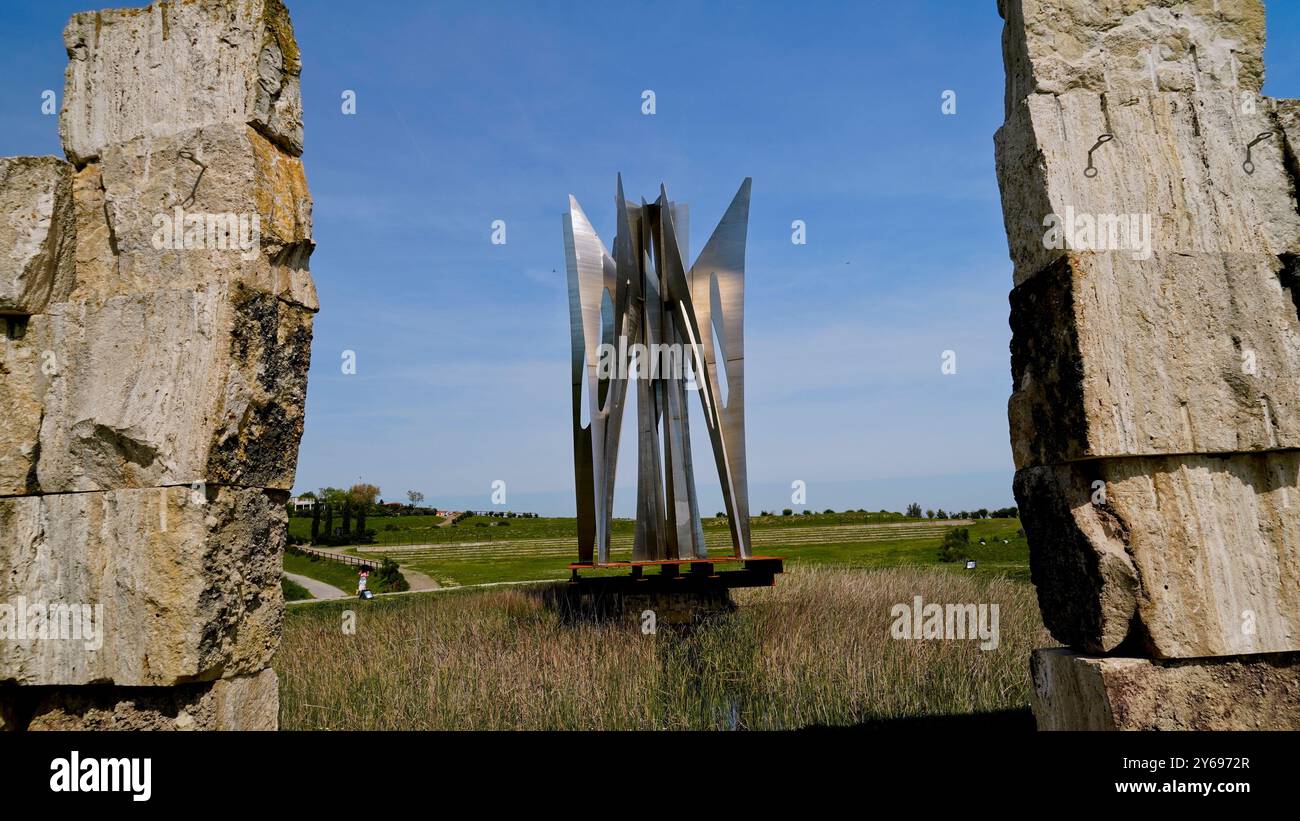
(641, 316)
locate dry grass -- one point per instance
(814, 650)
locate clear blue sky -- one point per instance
(472, 112)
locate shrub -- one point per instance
(388, 578)
(293, 591)
(956, 545)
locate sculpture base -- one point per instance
(682, 592)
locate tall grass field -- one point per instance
(815, 650)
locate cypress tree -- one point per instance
(315, 522)
(347, 517)
(329, 520)
(361, 522)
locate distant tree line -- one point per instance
(914, 511)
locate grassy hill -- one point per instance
(481, 549)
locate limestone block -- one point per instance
(175, 387)
(1056, 46)
(1076, 692)
(1174, 171)
(36, 238)
(154, 586)
(172, 67)
(1176, 557)
(1177, 354)
(243, 703)
(26, 366)
(206, 206)
(95, 256)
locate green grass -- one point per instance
(482, 550)
(342, 576)
(820, 540)
(407, 530)
(1011, 559)
(294, 591)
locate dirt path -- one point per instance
(446, 589)
(418, 581)
(318, 589)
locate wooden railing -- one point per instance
(374, 561)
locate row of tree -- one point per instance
(914, 512)
(324, 532)
(361, 495)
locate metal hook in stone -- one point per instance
(186, 155)
(1249, 166)
(1102, 139)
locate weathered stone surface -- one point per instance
(244, 703)
(36, 250)
(1176, 354)
(151, 219)
(214, 170)
(95, 256)
(1174, 169)
(25, 369)
(173, 67)
(1180, 556)
(175, 387)
(188, 580)
(156, 312)
(1076, 692)
(1056, 46)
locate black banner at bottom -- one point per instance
(382, 772)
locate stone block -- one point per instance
(26, 367)
(148, 587)
(174, 387)
(1121, 46)
(1177, 354)
(36, 236)
(1171, 557)
(1172, 180)
(172, 67)
(1077, 692)
(198, 208)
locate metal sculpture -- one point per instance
(642, 316)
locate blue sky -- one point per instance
(473, 112)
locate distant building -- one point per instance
(301, 503)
